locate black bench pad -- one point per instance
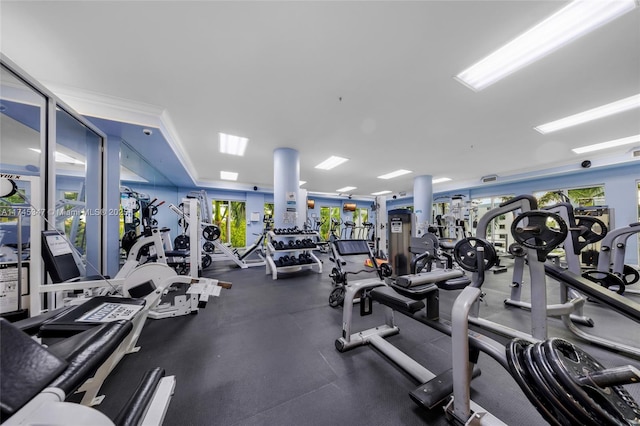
(435, 276)
(455, 283)
(86, 352)
(389, 297)
(32, 325)
(132, 413)
(65, 325)
(26, 368)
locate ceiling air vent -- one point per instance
(491, 178)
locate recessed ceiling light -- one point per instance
(610, 144)
(592, 114)
(346, 189)
(440, 180)
(381, 193)
(568, 24)
(230, 144)
(228, 176)
(60, 157)
(331, 162)
(302, 182)
(394, 174)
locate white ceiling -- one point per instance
(370, 81)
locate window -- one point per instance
(578, 197)
(499, 230)
(231, 218)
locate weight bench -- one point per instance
(37, 380)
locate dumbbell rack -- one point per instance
(273, 254)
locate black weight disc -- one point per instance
(563, 402)
(181, 242)
(385, 270)
(211, 232)
(206, 261)
(591, 230)
(537, 234)
(605, 279)
(515, 354)
(611, 405)
(209, 247)
(336, 298)
(466, 251)
(630, 275)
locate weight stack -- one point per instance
(400, 227)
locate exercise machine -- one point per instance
(611, 258)
(36, 380)
(557, 400)
(208, 237)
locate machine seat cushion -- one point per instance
(87, 351)
(26, 368)
(389, 297)
(435, 276)
(455, 283)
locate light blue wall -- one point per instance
(620, 194)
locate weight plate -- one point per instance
(515, 351)
(611, 405)
(336, 298)
(209, 247)
(591, 230)
(564, 402)
(466, 251)
(605, 279)
(385, 270)
(537, 234)
(206, 261)
(211, 232)
(630, 275)
(181, 242)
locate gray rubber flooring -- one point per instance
(263, 354)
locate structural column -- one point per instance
(422, 203)
(286, 179)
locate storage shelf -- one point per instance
(273, 269)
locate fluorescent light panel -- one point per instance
(381, 193)
(346, 189)
(610, 144)
(301, 182)
(331, 162)
(592, 114)
(568, 24)
(228, 175)
(394, 174)
(60, 157)
(440, 180)
(234, 145)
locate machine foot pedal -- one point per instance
(430, 394)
